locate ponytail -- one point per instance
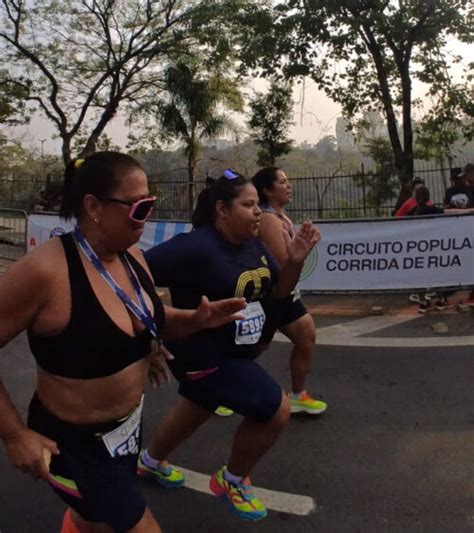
(98, 174)
(224, 189)
(66, 209)
(202, 213)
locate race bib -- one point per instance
(125, 439)
(296, 294)
(249, 329)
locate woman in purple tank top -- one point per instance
(275, 193)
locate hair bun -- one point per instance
(210, 181)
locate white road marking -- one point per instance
(274, 500)
(349, 334)
(345, 334)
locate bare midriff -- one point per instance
(91, 401)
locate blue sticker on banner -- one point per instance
(55, 232)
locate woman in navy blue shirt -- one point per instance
(223, 257)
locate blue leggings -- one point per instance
(239, 384)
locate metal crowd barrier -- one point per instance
(13, 225)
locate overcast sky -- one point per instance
(314, 114)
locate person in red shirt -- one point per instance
(405, 209)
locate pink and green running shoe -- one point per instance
(240, 497)
(165, 475)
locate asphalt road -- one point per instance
(393, 453)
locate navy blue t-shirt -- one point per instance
(201, 263)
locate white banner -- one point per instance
(392, 254)
(354, 255)
(43, 227)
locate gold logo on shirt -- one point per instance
(251, 276)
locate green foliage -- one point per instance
(104, 142)
(269, 119)
(380, 185)
(13, 159)
(12, 102)
(326, 158)
(23, 174)
(218, 26)
(189, 109)
(363, 54)
(79, 62)
(449, 121)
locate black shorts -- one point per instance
(239, 384)
(281, 313)
(101, 488)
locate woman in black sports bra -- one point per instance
(291, 317)
(94, 322)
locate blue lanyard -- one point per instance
(141, 312)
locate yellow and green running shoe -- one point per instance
(305, 403)
(164, 474)
(239, 496)
(223, 411)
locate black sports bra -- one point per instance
(92, 345)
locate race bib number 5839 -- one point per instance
(249, 329)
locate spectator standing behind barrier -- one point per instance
(423, 205)
(49, 198)
(422, 197)
(409, 204)
(461, 194)
(467, 174)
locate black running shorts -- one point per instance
(281, 313)
(101, 488)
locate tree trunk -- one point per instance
(107, 116)
(403, 156)
(66, 148)
(403, 195)
(405, 163)
(191, 169)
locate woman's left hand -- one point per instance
(158, 369)
(302, 243)
(217, 313)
